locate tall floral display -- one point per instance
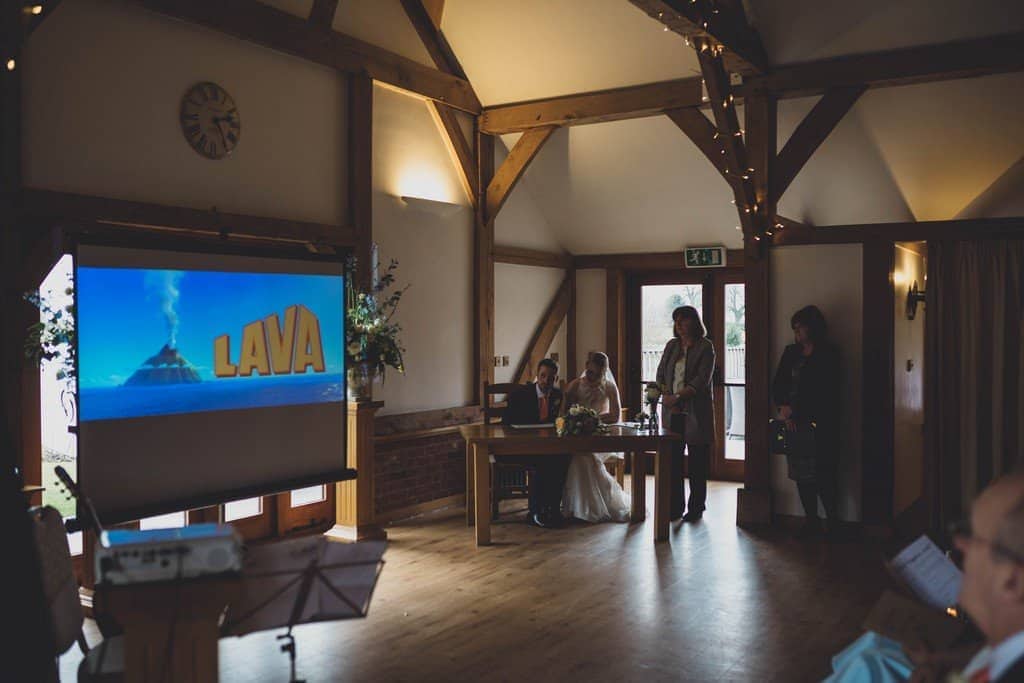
(372, 341)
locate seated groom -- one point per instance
(538, 403)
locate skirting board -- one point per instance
(390, 516)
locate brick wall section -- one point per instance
(419, 470)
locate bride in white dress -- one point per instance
(591, 493)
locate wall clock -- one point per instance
(209, 120)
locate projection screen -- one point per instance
(204, 378)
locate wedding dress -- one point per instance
(591, 493)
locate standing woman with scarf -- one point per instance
(684, 374)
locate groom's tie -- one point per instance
(543, 408)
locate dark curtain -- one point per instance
(974, 393)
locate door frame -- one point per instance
(713, 282)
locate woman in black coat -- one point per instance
(806, 392)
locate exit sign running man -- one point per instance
(705, 257)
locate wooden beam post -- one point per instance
(570, 329)
(483, 271)
(546, 330)
(754, 505)
(360, 173)
(355, 509)
(877, 462)
(811, 132)
(615, 325)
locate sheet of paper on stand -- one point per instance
(912, 624)
(928, 572)
(302, 581)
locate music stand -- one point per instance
(304, 581)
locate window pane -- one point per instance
(735, 372)
(310, 494)
(735, 422)
(657, 303)
(240, 509)
(735, 334)
(56, 397)
(171, 520)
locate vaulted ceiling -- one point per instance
(917, 152)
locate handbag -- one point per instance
(799, 447)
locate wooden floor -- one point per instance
(589, 602)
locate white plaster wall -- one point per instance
(591, 312)
(103, 81)
(521, 296)
(435, 256)
(830, 277)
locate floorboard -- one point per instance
(589, 602)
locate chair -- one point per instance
(617, 465)
(102, 664)
(509, 481)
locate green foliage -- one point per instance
(734, 334)
(52, 339)
(370, 336)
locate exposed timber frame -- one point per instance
(546, 329)
(279, 30)
(724, 23)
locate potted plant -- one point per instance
(52, 339)
(371, 338)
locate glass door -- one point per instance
(730, 385)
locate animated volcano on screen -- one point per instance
(166, 367)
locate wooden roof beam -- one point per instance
(811, 132)
(548, 326)
(617, 104)
(323, 12)
(724, 23)
(278, 30)
(512, 169)
(730, 135)
(446, 119)
(905, 66)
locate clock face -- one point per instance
(209, 120)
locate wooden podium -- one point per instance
(354, 513)
(170, 627)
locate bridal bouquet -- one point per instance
(580, 421)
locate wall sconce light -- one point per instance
(914, 296)
(431, 206)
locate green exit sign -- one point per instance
(705, 257)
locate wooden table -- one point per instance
(483, 441)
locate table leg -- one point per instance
(482, 469)
(662, 489)
(470, 512)
(638, 486)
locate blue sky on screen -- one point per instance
(126, 315)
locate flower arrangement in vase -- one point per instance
(580, 421)
(372, 341)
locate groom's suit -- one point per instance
(524, 407)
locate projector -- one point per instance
(126, 556)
